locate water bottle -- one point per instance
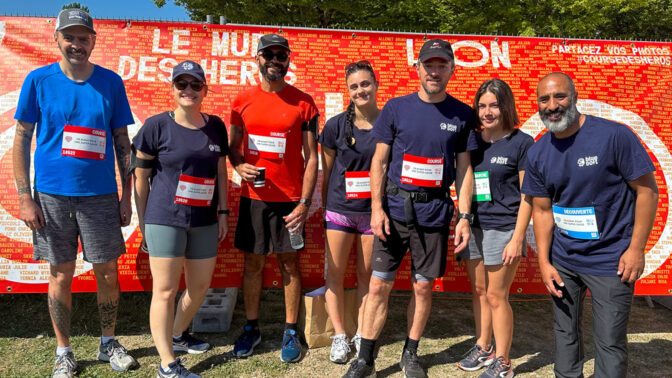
(296, 239)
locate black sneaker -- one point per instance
(189, 344)
(410, 365)
(359, 369)
(244, 345)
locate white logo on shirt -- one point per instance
(215, 147)
(448, 127)
(587, 161)
(499, 160)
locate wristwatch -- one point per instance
(226, 212)
(306, 201)
(468, 217)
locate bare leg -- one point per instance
(482, 313)
(291, 280)
(252, 282)
(375, 313)
(419, 308)
(500, 278)
(108, 295)
(60, 301)
(197, 276)
(338, 248)
(364, 249)
(166, 272)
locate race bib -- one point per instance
(194, 191)
(357, 185)
(576, 222)
(271, 146)
(83, 142)
(422, 171)
(482, 186)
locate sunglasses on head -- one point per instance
(360, 64)
(281, 56)
(183, 84)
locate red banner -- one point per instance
(629, 82)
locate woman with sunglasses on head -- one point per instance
(347, 149)
(181, 197)
(501, 217)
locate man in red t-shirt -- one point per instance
(271, 124)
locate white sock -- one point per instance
(61, 351)
(105, 339)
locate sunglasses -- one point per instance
(281, 56)
(359, 64)
(181, 85)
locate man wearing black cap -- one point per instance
(80, 112)
(275, 122)
(422, 137)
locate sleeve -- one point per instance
(466, 135)
(147, 140)
(236, 113)
(384, 129)
(329, 134)
(224, 141)
(121, 115)
(632, 159)
(533, 183)
(27, 109)
(525, 145)
(310, 109)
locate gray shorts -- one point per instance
(488, 245)
(192, 243)
(94, 220)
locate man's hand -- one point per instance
(380, 224)
(512, 252)
(247, 171)
(31, 214)
(296, 218)
(125, 211)
(222, 227)
(631, 265)
(551, 277)
(462, 235)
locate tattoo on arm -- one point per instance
(108, 313)
(60, 315)
(122, 149)
(21, 156)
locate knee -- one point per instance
(62, 280)
(479, 290)
(423, 289)
(165, 294)
(254, 267)
(363, 276)
(495, 300)
(379, 288)
(106, 274)
(288, 265)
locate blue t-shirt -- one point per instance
(348, 159)
(591, 168)
(427, 131)
(52, 101)
(179, 150)
(503, 160)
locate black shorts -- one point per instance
(428, 245)
(260, 226)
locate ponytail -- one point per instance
(349, 124)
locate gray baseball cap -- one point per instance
(74, 17)
(269, 40)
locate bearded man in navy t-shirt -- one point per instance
(594, 203)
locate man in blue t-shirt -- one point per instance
(594, 203)
(79, 113)
(421, 150)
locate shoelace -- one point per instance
(289, 341)
(497, 366)
(113, 347)
(246, 337)
(341, 344)
(413, 359)
(64, 364)
(473, 353)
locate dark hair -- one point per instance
(505, 100)
(362, 65)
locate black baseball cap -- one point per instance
(74, 17)
(269, 40)
(191, 68)
(436, 48)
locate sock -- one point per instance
(63, 350)
(106, 339)
(291, 326)
(254, 323)
(411, 345)
(178, 337)
(366, 350)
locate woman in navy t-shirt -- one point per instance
(501, 218)
(347, 148)
(181, 196)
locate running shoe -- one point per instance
(359, 369)
(410, 365)
(189, 344)
(65, 366)
(357, 342)
(498, 369)
(117, 356)
(291, 346)
(244, 345)
(176, 370)
(339, 349)
(477, 358)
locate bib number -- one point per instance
(422, 171)
(482, 186)
(194, 191)
(83, 142)
(357, 185)
(270, 146)
(576, 222)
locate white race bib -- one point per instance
(271, 146)
(194, 191)
(482, 186)
(422, 171)
(83, 142)
(357, 185)
(576, 222)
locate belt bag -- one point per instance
(412, 196)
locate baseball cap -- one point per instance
(269, 40)
(74, 17)
(191, 68)
(436, 48)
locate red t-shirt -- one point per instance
(272, 138)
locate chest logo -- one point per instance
(448, 127)
(587, 161)
(215, 147)
(499, 160)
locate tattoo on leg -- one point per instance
(60, 313)
(108, 313)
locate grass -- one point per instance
(27, 345)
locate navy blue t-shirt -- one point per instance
(591, 168)
(348, 159)
(502, 160)
(179, 150)
(428, 131)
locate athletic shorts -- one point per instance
(350, 223)
(192, 243)
(94, 220)
(488, 245)
(428, 245)
(261, 226)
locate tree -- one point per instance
(605, 19)
(76, 5)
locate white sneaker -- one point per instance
(339, 349)
(356, 341)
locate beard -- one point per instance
(432, 90)
(569, 115)
(274, 77)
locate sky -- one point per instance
(124, 9)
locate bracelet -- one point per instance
(220, 212)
